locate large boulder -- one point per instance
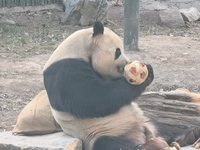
(84, 12)
(171, 18)
(192, 14)
(168, 12)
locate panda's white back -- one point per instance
(72, 47)
(77, 46)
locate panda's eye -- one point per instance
(117, 53)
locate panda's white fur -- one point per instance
(129, 119)
(82, 45)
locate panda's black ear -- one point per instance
(97, 28)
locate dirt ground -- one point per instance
(26, 46)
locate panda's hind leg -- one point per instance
(122, 143)
(113, 143)
(159, 144)
(183, 137)
(190, 137)
(155, 142)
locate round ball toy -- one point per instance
(135, 72)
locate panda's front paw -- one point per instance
(150, 75)
(175, 146)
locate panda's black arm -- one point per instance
(74, 87)
(111, 96)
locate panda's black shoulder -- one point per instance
(69, 64)
(62, 76)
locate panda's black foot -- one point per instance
(190, 138)
(176, 145)
(150, 75)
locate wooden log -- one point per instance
(174, 108)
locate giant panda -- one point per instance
(91, 100)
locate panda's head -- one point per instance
(107, 56)
(99, 44)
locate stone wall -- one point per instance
(166, 12)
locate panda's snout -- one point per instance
(122, 64)
(120, 69)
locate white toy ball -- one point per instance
(135, 72)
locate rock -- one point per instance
(72, 11)
(188, 148)
(55, 141)
(10, 22)
(150, 9)
(192, 14)
(171, 18)
(182, 4)
(149, 17)
(84, 12)
(163, 59)
(158, 6)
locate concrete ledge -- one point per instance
(55, 141)
(188, 148)
(30, 8)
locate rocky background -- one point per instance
(169, 40)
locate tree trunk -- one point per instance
(174, 108)
(131, 24)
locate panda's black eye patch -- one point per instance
(117, 53)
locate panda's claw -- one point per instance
(170, 148)
(197, 144)
(174, 146)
